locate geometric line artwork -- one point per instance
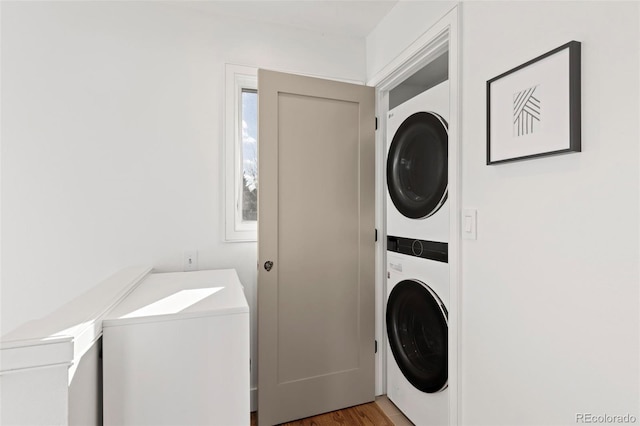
(526, 111)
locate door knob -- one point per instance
(268, 265)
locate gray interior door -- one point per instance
(316, 242)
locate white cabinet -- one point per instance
(176, 352)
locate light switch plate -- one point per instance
(469, 224)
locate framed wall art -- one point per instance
(533, 110)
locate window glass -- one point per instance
(249, 155)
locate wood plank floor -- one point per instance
(361, 415)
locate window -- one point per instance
(241, 153)
(249, 154)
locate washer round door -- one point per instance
(417, 165)
(418, 335)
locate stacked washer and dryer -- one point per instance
(417, 256)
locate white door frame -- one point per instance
(433, 42)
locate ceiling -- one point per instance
(343, 18)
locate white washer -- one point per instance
(417, 338)
(417, 166)
(176, 352)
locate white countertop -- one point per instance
(179, 295)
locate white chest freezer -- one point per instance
(176, 352)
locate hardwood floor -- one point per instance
(361, 415)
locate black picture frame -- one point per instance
(531, 133)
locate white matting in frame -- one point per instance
(534, 110)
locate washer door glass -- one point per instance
(417, 332)
(417, 165)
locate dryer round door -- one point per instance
(417, 165)
(418, 335)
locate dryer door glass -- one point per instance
(417, 332)
(417, 165)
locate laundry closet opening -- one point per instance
(432, 74)
(418, 219)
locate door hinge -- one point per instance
(376, 123)
(376, 347)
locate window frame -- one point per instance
(237, 79)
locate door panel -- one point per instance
(305, 191)
(316, 224)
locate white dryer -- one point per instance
(417, 166)
(417, 331)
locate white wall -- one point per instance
(112, 140)
(550, 297)
(404, 24)
(550, 288)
